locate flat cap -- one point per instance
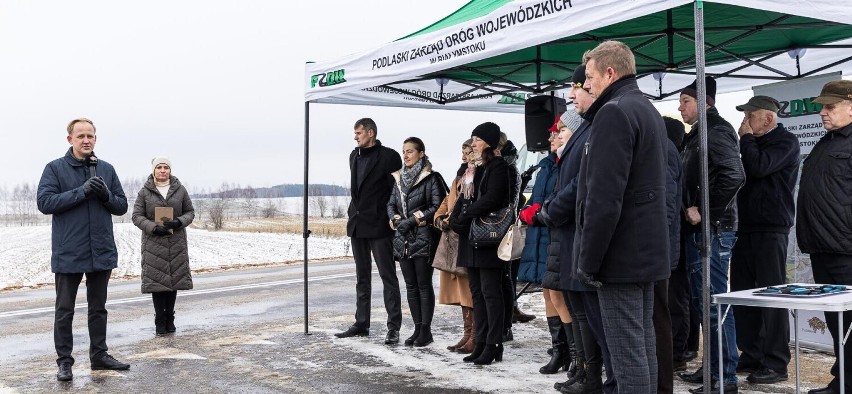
(760, 102)
(835, 91)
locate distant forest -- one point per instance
(287, 190)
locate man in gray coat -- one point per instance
(81, 193)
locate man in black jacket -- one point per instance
(725, 176)
(824, 211)
(620, 244)
(371, 166)
(770, 156)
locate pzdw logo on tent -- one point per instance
(328, 79)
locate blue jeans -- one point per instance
(720, 257)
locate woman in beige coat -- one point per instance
(454, 289)
(165, 257)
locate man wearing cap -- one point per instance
(824, 211)
(82, 194)
(770, 157)
(621, 194)
(371, 165)
(725, 177)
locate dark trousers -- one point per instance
(486, 287)
(679, 310)
(584, 339)
(593, 313)
(417, 273)
(836, 269)
(66, 295)
(363, 250)
(627, 313)
(763, 334)
(164, 302)
(663, 331)
(508, 282)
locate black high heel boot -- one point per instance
(410, 340)
(490, 354)
(477, 351)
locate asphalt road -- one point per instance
(243, 331)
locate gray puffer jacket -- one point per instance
(165, 259)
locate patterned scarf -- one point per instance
(469, 173)
(409, 174)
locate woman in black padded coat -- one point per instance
(417, 193)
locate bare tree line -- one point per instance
(230, 201)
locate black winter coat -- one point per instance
(674, 196)
(423, 199)
(724, 168)
(559, 212)
(824, 216)
(368, 215)
(491, 192)
(771, 163)
(622, 234)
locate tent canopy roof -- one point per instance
(743, 44)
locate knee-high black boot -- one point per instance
(159, 315)
(169, 311)
(560, 357)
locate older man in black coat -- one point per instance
(621, 244)
(371, 165)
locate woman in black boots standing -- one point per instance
(165, 257)
(416, 196)
(485, 189)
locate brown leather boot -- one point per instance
(520, 317)
(467, 314)
(469, 329)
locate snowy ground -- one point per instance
(25, 255)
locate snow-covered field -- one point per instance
(25, 254)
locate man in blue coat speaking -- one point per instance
(81, 193)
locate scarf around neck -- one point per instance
(409, 174)
(469, 173)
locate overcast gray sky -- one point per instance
(215, 85)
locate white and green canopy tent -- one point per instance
(491, 55)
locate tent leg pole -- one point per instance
(305, 231)
(705, 207)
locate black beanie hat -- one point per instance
(488, 132)
(710, 85)
(579, 77)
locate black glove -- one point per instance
(461, 224)
(173, 224)
(95, 187)
(405, 226)
(587, 279)
(161, 231)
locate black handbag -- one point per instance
(489, 231)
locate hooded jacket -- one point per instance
(165, 259)
(423, 199)
(82, 236)
(534, 256)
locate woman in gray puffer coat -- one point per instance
(417, 194)
(165, 256)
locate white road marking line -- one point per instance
(187, 293)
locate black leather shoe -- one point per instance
(689, 355)
(392, 338)
(64, 373)
(730, 388)
(107, 362)
(678, 366)
(766, 376)
(695, 377)
(353, 332)
(824, 390)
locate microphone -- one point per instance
(92, 163)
